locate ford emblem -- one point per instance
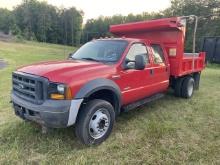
(21, 86)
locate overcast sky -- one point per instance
(95, 8)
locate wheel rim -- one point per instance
(99, 123)
(190, 88)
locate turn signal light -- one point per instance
(68, 94)
(57, 96)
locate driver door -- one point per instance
(133, 86)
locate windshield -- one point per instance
(101, 50)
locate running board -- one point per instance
(142, 102)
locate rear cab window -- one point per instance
(158, 54)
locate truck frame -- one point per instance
(108, 76)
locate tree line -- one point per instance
(208, 12)
(34, 20)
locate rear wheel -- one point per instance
(95, 122)
(196, 77)
(178, 87)
(188, 87)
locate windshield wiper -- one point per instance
(91, 59)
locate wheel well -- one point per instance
(195, 76)
(106, 95)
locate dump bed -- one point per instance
(171, 33)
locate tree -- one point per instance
(46, 23)
(71, 21)
(6, 20)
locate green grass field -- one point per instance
(167, 131)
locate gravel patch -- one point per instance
(3, 64)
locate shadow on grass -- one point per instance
(27, 136)
(148, 108)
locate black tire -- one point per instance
(86, 115)
(178, 87)
(188, 87)
(196, 77)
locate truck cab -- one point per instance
(143, 70)
(106, 77)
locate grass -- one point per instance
(167, 131)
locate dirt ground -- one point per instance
(6, 37)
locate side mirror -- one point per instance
(70, 55)
(140, 62)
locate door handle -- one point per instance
(116, 77)
(151, 72)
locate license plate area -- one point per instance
(19, 111)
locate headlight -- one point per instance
(58, 91)
(61, 88)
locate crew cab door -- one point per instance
(135, 84)
(160, 68)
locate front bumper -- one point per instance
(52, 113)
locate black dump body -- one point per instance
(211, 45)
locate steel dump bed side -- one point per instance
(170, 32)
(187, 64)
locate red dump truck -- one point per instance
(107, 76)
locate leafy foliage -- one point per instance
(5, 20)
(43, 22)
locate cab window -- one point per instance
(158, 54)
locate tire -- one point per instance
(196, 77)
(188, 87)
(178, 87)
(95, 122)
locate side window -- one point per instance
(158, 54)
(137, 49)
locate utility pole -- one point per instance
(72, 31)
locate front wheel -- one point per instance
(95, 122)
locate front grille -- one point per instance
(28, 87)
